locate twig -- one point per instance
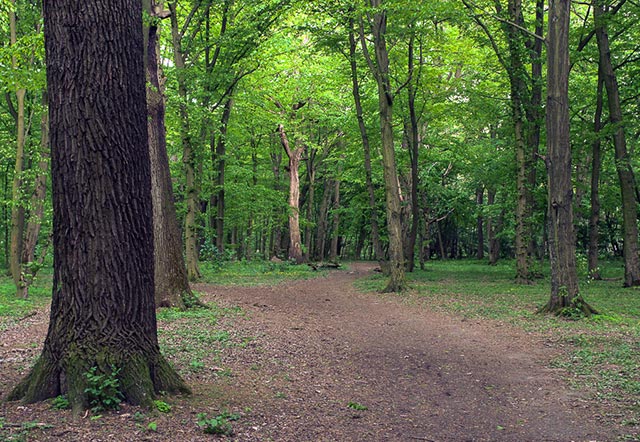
(27, 316)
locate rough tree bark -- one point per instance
(623, 159)
(171, 282)
(102, 311)
(565, 296)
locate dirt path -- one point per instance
(316, 346)
(421, 375)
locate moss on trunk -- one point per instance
(141, 378)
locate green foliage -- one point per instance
(103, 389)
(253, 273)
(219, 424)
(152, 427)
(356, 406)
(162, 406)
(10, 432)
(13, 307)
(60, 403)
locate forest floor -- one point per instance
(318, 360)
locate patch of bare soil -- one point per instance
(327, 363)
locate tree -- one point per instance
(102, 311)
(525, 98)
(17, 209)
(188, 151)
(171, 281)
(623, 160)
(380, 70)
(295, 156)
(366, 148)
(562, 249)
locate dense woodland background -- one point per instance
(257, 90)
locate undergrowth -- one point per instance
(255, 273)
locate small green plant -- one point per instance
(153, 427)
(217, 425)
(356, 406)
(138, 417)
(60, 403)
(196, 365)
(162, 406)
(103, 389)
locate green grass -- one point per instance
(194, 339)
(13, 307)
(601, 354)
(255, 273)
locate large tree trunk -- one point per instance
(375, 229)
(188, 154)
(623, 159)
(596, 165)
(294, 155)
(562, 250)
(380, 70)
(102, 311)
(17, 208)
(171, 282)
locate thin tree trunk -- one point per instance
(276, 232)
(562, 251)
(414, 152)
(17, 208)
(311, 176)
(322, 222)
(534, 115)
(333, 253)
(37, 205)
(480, 222)
(219, 161)
(188, 154)
(366, 148)
(493, 228)
(623, 159)
(596, 165)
